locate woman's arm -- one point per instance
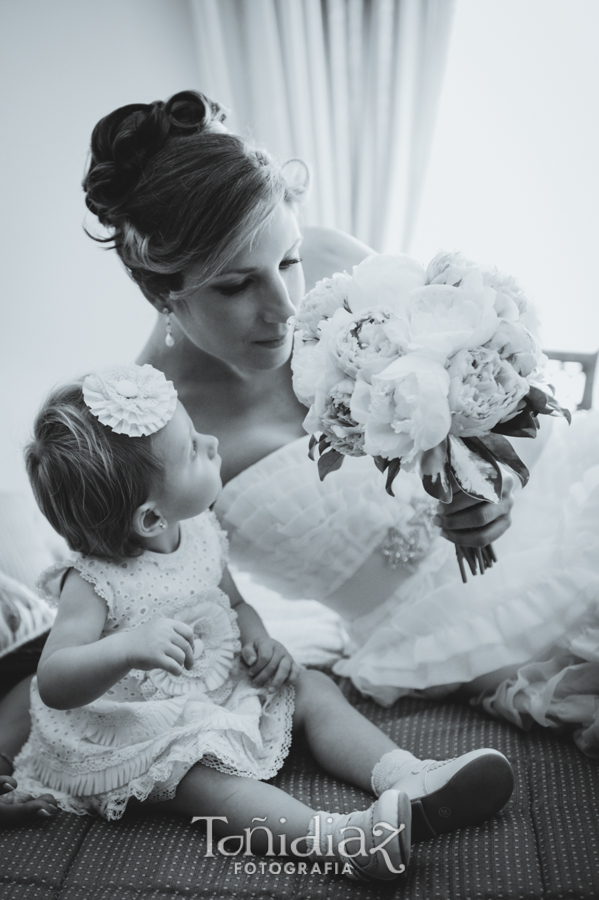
(327, 250)
(78, 666)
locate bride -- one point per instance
(208, 229)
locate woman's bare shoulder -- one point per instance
(328, 250)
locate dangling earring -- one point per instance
(169, 339)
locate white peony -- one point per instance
(405, 410)
(369, 340)
(337, 423)
(514, 343)
(384, 281)
(448, 267)
(506, 285)
(307, 362)
(483, 390)
(443, 319)
(320, 303)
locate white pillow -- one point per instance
(28, 543)
(23, 615)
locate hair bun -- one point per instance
(125, 140)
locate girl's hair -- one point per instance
(175, 191)
(87, 479)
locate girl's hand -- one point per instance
(161, 644)
(476, 523)
(270, 663)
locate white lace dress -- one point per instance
(142, 736)
(536, 611)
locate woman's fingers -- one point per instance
(474, 523)
(479, 537)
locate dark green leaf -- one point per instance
(525, 424)
(329, 462)
(537, 399)
(323, 443)
(555, 408)
(477, 452)
(504, 453)
(392, 473)
(381, 463)
(312, 445)
(437, 488)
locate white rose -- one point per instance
(443, 319)
(405, 410)
(483, 390)
(384, 280)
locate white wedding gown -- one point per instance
(417, 627)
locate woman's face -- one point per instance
(240, 316)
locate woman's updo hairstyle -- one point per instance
(175, 189)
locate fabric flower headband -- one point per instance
(132, 400)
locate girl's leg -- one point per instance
(445, 794)
(15, 725)
(207, 793)
(342, 740)
(258, 817)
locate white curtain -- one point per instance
(349, 86)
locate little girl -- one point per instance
(159, 683)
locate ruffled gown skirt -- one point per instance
(536, 613)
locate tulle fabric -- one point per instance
(537, 612)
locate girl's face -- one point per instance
(240, 316)
(191, 463)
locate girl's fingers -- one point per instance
(7, 784)
(184, 630)
(15, 814)
(281, 675)
(185, 648)
(267, 672)
(295, 672)
(248, 654)
(265, 651)
(169, 664)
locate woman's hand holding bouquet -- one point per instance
(426, 370)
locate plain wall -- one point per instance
(514, 172)
(66, 304)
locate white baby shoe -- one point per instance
(447, 794)
(375, 842)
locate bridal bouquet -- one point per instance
(425, 370)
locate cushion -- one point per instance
(543, 846)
